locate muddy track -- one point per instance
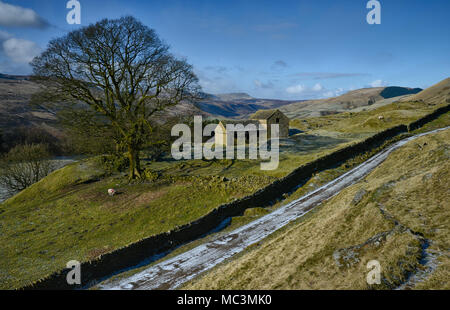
(175, 271)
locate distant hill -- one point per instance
(16, 91)
(15, 111)
(233, 96)
(356, 99)
(14, 77)
(437, 93)
(236, 105)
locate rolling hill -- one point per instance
(236, 105)
(437, 93)
(16, 91)
(15, 111)
(356, 99)
(397, 215)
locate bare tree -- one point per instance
(121, 70)
(24, 165)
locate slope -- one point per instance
(361, 98)
(439, 92)
(398, 215)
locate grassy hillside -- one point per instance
(434, 94)
(367, 121)
(352, 100)
(68, 215)
(15, 93)
(398, 215)
(15, 110)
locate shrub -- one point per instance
(114, 163)
(151, 175)
(24, 165)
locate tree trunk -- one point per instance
(135, 164)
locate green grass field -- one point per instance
(69, 216)
(395, 214)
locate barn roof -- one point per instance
(263, 114)
(244, 122)
(237, 122)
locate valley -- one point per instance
(91, 224)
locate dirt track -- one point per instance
(173, 272)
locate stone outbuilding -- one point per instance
(269, 117)
(263, 117)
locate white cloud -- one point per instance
(296, 89)
(317, 87)
(317, 91)
(15, 53)
(378, 83)
(302, 89)
(20, 51)
(16, 16)
(333, 93)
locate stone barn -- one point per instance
(263, 117)
(269, 117)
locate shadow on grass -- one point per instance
(308, 143)
(294, 131)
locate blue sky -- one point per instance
(282, 49)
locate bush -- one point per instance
(24, 165)
(114, 163)
(150, 175)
